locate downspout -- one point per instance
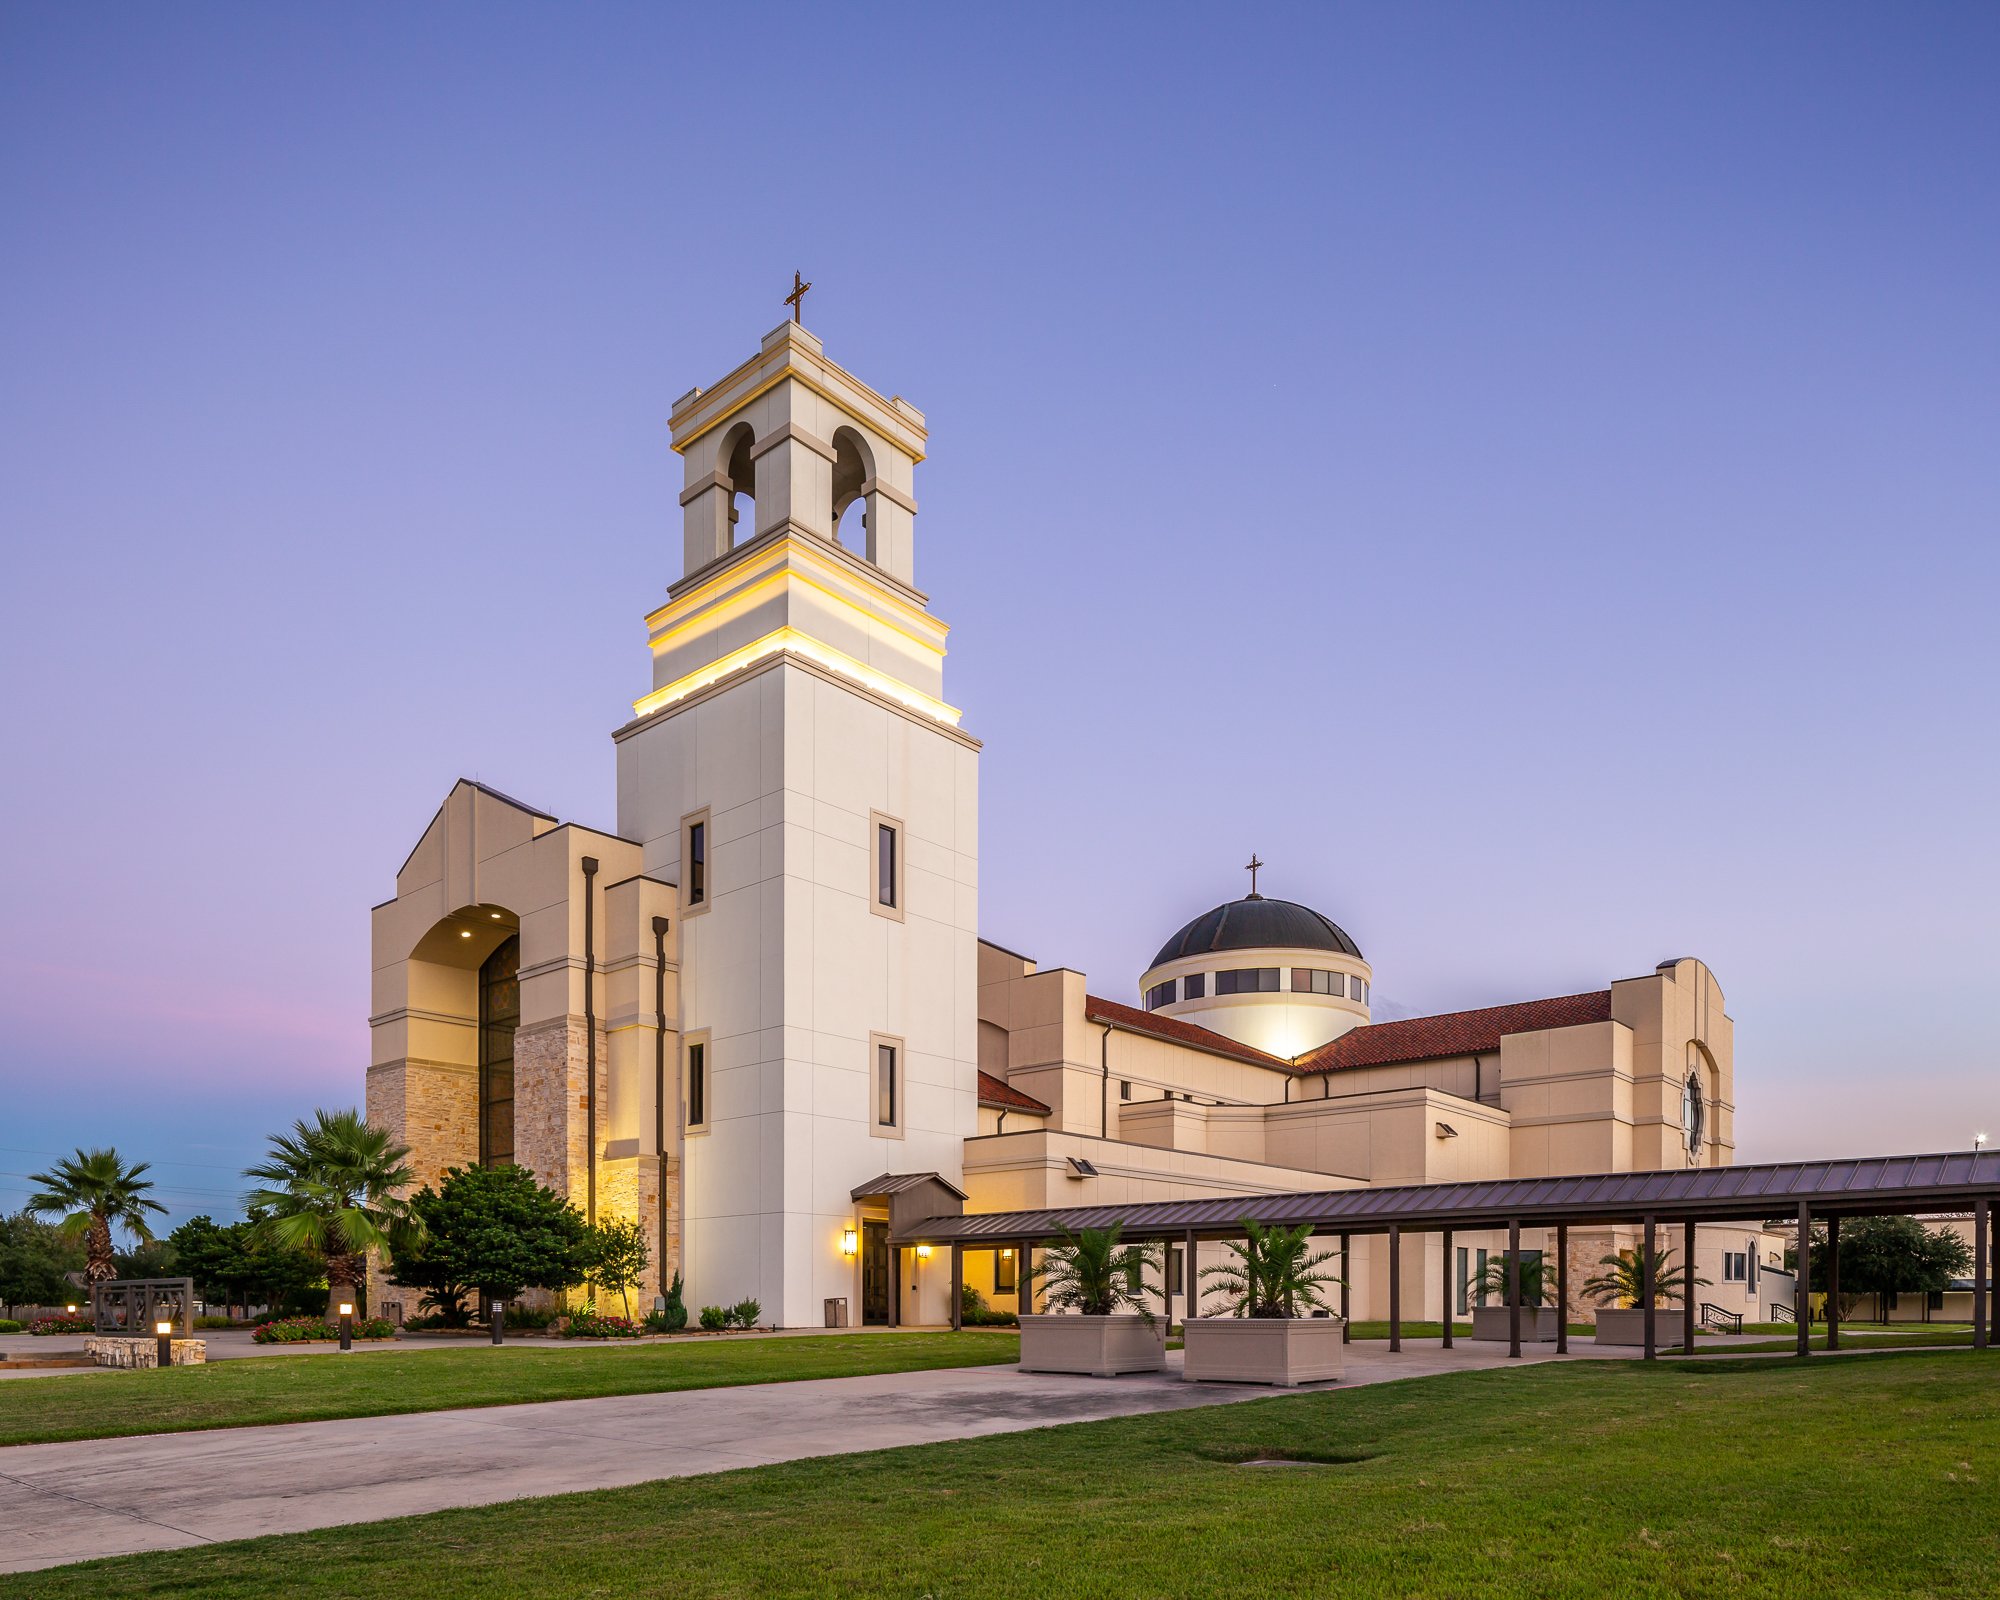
(590, 1037)
(1104, 1083)
(660, 1077)
(1478, 1081)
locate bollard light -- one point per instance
(165, 1332)
(499, 1318)
(70, 1309)
(346, 1325)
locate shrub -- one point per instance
(203, 1323)
(588, 1325)
(530, 1316)
(744, 1313)
(674, 1315)
(9, 1325)
(314, 1330)
(61, 1322)
(424, 1321)
(714, 1318)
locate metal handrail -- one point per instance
(1780, 1312)
(1721, 1318)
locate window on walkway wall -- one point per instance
(499, 1016)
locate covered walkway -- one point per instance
(1798, 1191)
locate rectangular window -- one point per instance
(694, 863)
(1302, 980)
(1336, 985)
(1479, 1267)
(1173, 1270)
(1735, 1268)
(1194, 986)
(886, 892)
(885, 1088)
(1006, 1272)
(1161, 994)
(1124, 1088)
(1247, 980)
(697, 1083)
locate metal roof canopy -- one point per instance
(1870, 1185)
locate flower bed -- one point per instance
(585, 1326)
(316, 1330)
(62, 1324)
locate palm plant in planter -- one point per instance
(1098, 1321)
(1279, 1331)
(1621, 1315)
(1538, 1293)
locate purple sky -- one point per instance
(1530, 473)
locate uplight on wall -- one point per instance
(850, 1242)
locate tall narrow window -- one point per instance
(885, 1088)
(697, 1083)
(697, 863)
(499, 1016)
(1006, 1272)
(886, 894)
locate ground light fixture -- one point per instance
(850, 1241)
(499, 1318)
(346, 1325)
(165, 1332)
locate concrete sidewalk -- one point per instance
(101, 1497)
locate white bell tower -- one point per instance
(796, 772)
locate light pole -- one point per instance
(165, 1332)
(346, 1325)
(499, 1318)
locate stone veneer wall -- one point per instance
(121, 1352)
(551, 1113)
(433, 1107)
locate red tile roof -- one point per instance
(1456, 1033)
(1175, 1031)
(998, 1092)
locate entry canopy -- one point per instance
(1857, 1187)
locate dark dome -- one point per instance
(1254, 924)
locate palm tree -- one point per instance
(330, 1187)
(1537, 1282)
(91, 1192)
(1273, 1274)
(1092, 1273)
(1619, 1283)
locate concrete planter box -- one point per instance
(1627, 1325)
(1538, 1326)
(1098, 1347)
(1286, 1351)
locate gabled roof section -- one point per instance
(998, 1092)
(508, 799)
(896, 1182)
(1454, 1033)
(492, 794)
(1174, 1031)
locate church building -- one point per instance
(759, 1017)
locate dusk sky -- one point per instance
(1530, 473)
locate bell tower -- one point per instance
(796, 772)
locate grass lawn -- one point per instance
(1585, 1480)
(311, 1388)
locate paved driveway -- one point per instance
(100, 1497)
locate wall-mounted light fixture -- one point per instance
(923, 1252)
(850, 1242)
(1446, 1131)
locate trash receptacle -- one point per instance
(836, 1311)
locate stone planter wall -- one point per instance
(1626, 1325)
(1285, 1351)
(1099, 1347)
(116, 1352)
(1539, 1325)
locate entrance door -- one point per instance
(875, 1270)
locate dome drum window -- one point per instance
(1161, 994)
(1247, 980)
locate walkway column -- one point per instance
(1833, 1283)
(1514, 1288)
(1446, 1276)
(1646, 1276)
(1190, 1278)
(1346, 1291)
(1687, 1289)
(1395, 1288)
(1562, 1288)
(1801, 1298)
(957, 1286)
(1979, 1263)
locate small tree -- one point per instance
(1538, 1283)
(495, 1228)
(1885, 1256)
(1093, 1273)
(92, 1193)
(1275, 1272)
(619, 1257)
(1619, 1283)
(35, 1262)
